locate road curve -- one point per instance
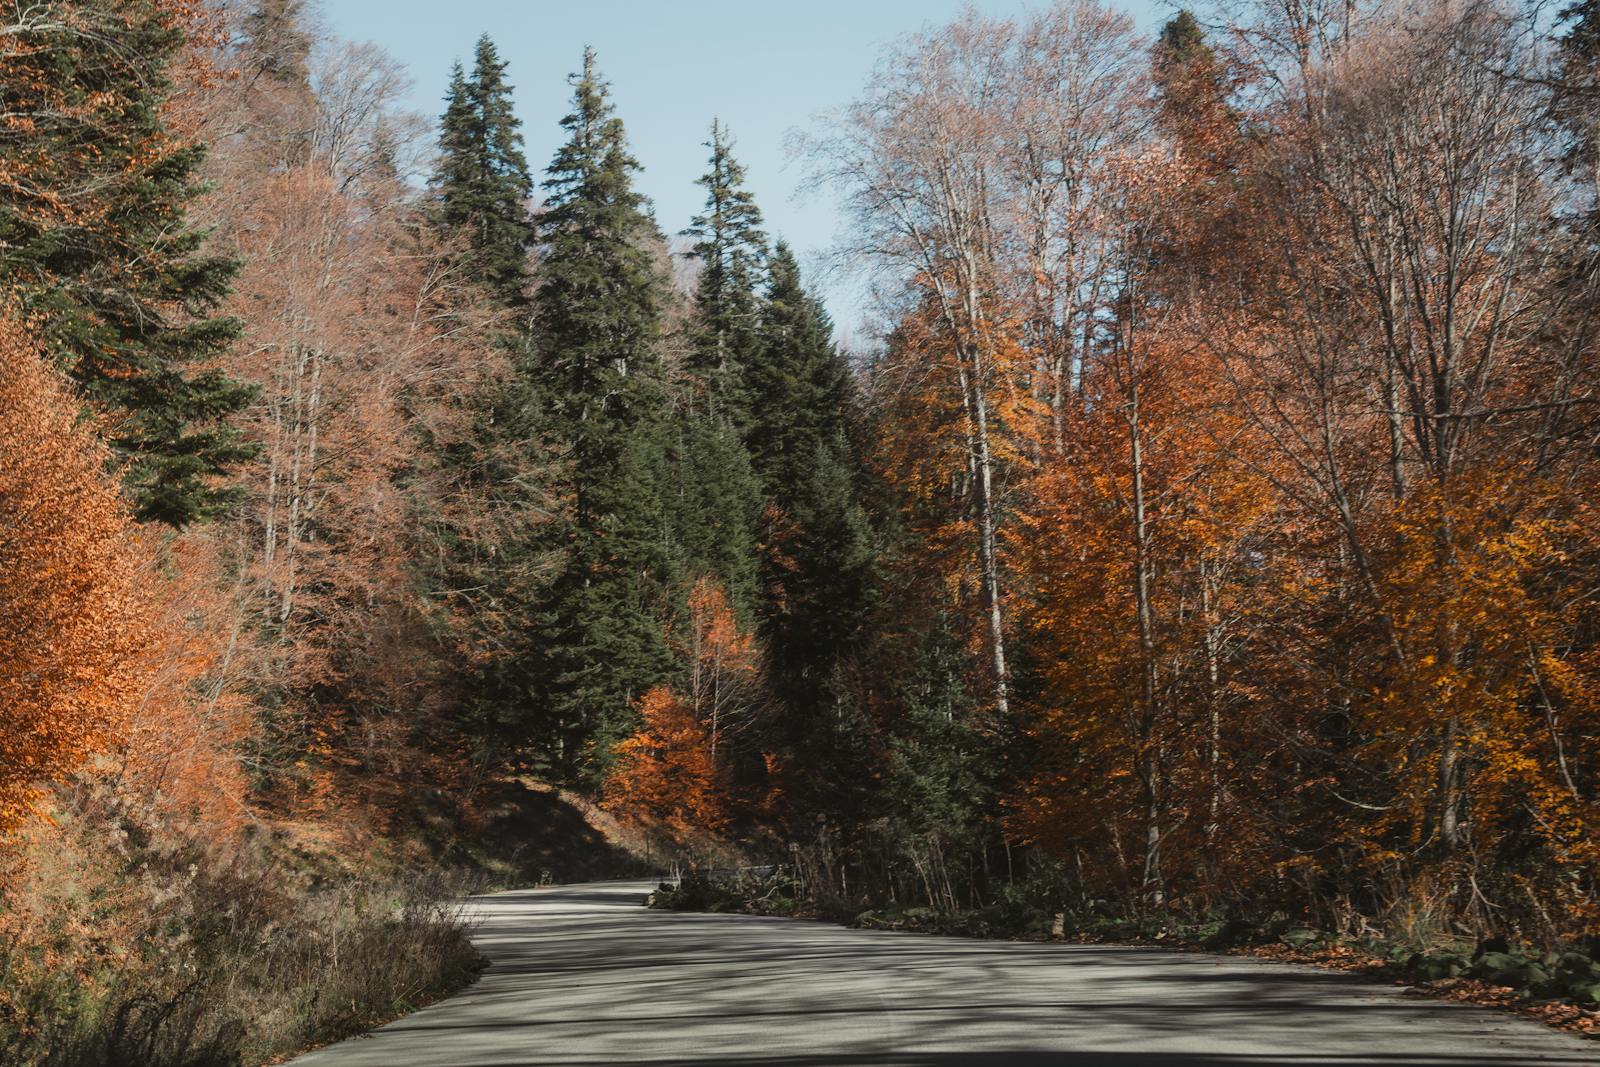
(583, 975)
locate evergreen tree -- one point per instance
(93, 238)
(482, 185)
(1191, 82)
(496, 569)
(1574, 94)
(714, 507)
(275, 57)
(940, 771)
(730, 247)
(716, 501)
(279, 46)
(817, 564)
(596, 329)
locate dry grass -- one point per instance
(116, 952)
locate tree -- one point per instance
(1190, 80)
(94, 238)
(724, 680)
(496, 558)
(482, 185)
(275, 54)
(596, 327)
(666, 773)
(730, 249)
(712, 502)
(817, 548)
(77, 623)
(715, 500)
(374, 348)
(927, 161)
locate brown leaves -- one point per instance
(77, 621)
(666, 774)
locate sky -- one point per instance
(763, 68)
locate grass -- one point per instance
(116, 951)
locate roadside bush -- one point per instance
(117, 950)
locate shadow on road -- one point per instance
(1022, 1058)
(583, 976)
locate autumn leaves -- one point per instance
(1241, 399)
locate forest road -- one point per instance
(584, 975)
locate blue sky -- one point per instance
(763, 68)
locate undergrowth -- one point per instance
(122, 948)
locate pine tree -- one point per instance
(482, 185)
(93, 237)
(1192, 87)
(714, 506)
(730, 248)
(596, 329)
(716, 500)
(817, 563)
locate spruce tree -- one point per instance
(495, 568)
(730, 248)
(279, 45)
(1192, 85)
(596, 330)
(713, 506)
(817, 565)
(94, 241)
(1574, 94)
(482, 185)
(274, 57)
(716, 500)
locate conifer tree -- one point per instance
(483, 185)
(275, 58)
(714, 506)
(496, 570)
(279, 43)
(717, 501)
(730, 247)
(1574, 93)
(1190, 78)
(596, 329)
(816, 568)
(94, 239)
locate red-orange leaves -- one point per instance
(74, 620)
(666, 773)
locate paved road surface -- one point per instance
(584, 975)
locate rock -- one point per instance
(1496, 944)
(1503, 968)
(1585, 992)
(1424, 968)
(1302, 937)
(1575, 965)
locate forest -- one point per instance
(1209, 536)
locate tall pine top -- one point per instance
(483, 184)
(597, 308)
(731, 249)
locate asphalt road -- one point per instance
(585, 975)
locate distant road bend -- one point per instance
(583, 975)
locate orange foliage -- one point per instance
(180, 753)
(77, 623)
(724, 663)
(665, 773)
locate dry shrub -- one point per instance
(128, 942)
